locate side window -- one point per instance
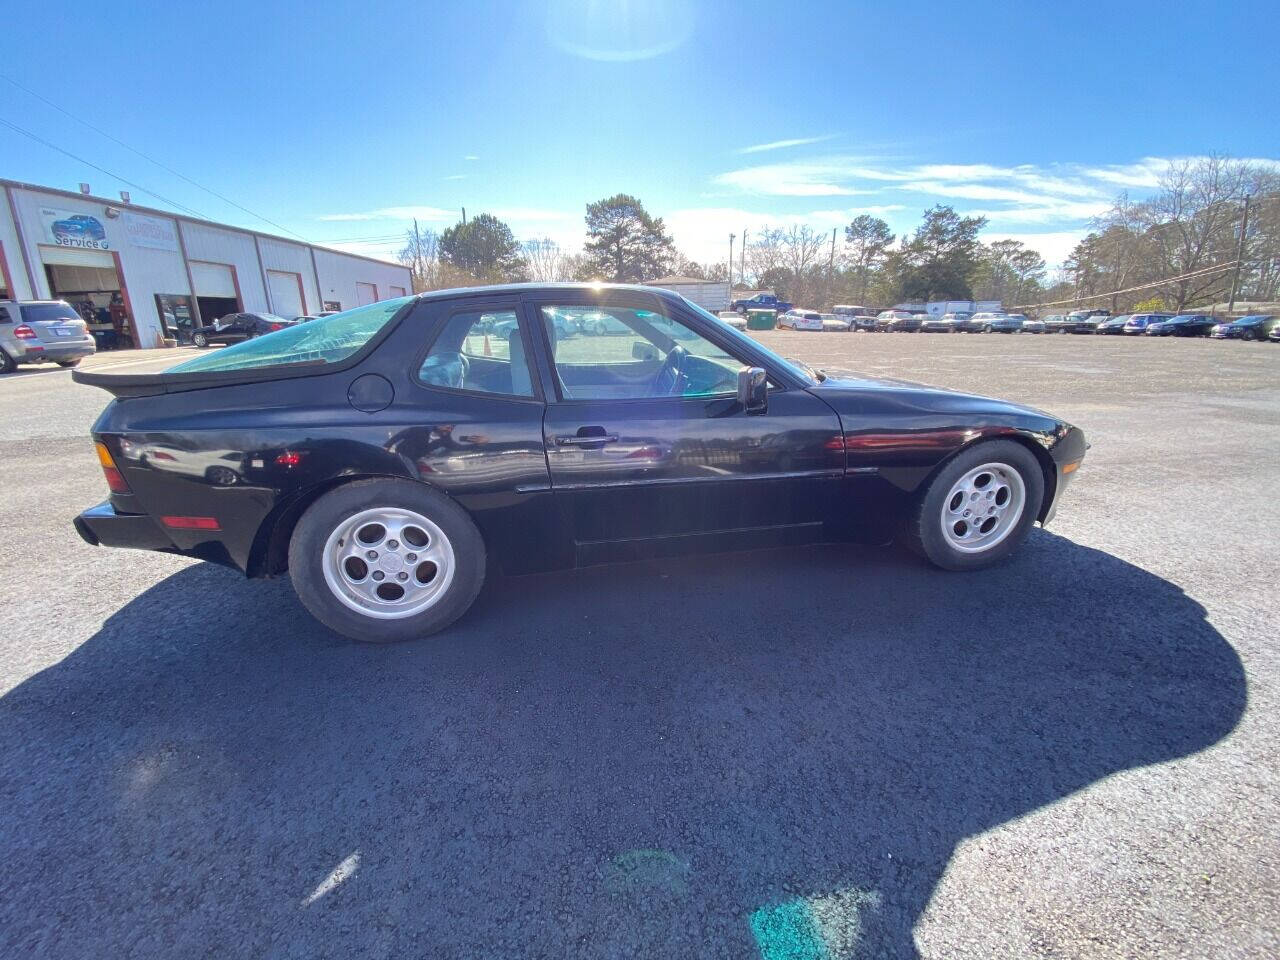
(625, 353)
(4, 316)
(482, 351)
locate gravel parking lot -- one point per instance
(822, 752)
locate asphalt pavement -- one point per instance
(823, 752)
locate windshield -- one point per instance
(803, 371)
(327, 340)
(45, 312)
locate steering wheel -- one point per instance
(673, 370)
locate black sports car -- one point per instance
(1183, 325)
(382, 455)
(235, 327)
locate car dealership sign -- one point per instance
(154, 232)
(66, 228)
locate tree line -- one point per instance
(1188, 225)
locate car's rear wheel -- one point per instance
(978, 508)
(386, 560)
(7, 364)
(200, 340)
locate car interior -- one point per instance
(642, 359)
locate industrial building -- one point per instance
(143, 278)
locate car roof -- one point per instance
(501, 288)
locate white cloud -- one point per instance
(470, 156)
(456, 176)
(392, 213)
(1054, 246)
(791, 180)
(783, 144)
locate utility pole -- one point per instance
(831, 265)
(1235, 277)
(731, 236)
(417, 251)
(742, 272)
(464, 216)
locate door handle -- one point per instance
(578, 441)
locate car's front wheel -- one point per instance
(978, 507)
(386, 560)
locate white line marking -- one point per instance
(341, 872)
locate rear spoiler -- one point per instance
(154, 384)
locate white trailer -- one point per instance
(712, 295)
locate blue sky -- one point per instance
(342, 123)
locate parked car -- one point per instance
(235, 327)
(1030, 325)
(1137, 324)
(386, 516)
(735, 320)
(1085, 321)
(1183, 325)
(861, 318)
(977, 323)
(834, 323)
(1055, 323)
(761, 301)
(305, 318)
(1274, 335)
(1253, 327)
(955, 321)
(1113, 325)
(42, 331)
(800, 320)
(941, 324)
(1005, 323)
(900, 321)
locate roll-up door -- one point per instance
(286, 294)
(213, 280)
(366, 293)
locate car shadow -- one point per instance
(758, 754)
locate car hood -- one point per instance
(855, 396)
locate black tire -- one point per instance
(306, 550)
(7, 364)
(923, 529)
(987, 328)
(70, 363)
(199, 340)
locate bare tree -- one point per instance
(547, 262)
(1190, 223)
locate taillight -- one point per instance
(115, 479)
(275, 327)
(23, 332)
(290, 458)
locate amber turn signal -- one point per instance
(115, 479)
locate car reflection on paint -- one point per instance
(222, 468)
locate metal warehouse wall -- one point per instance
(230, 248)
(145, 271)
(339, 275)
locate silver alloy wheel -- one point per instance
(388, 563)
(983, 507)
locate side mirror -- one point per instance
(640, 350)
(753, 389)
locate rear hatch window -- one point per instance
(327, 340)
(47, 313)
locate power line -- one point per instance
(88, 163)
(150, 159)
(1194, 274)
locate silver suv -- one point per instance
(42, 331)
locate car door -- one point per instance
(650, 451)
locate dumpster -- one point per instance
(761, 319)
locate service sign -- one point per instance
(154, 232)
(66, 228)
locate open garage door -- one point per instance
(286, 294)
(216, 291)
